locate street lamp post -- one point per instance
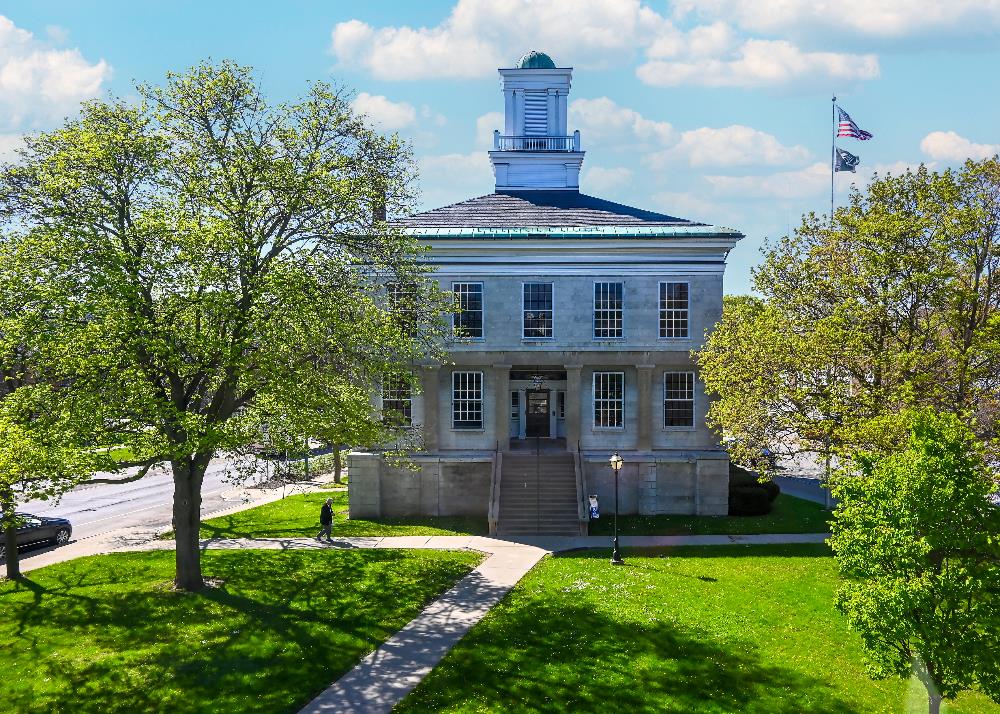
(616, 466)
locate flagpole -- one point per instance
(833, 149)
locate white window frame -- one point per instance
(515, 405)
(552, 312)
(596, 401)
(661, 311)
(398, 391)
(620, 310)
(482, 312)
(692, 382)
(465, 405)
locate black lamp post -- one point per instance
(616, 466)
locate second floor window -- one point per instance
(609, 400)
(678, 399)
(467, 400)
(468, 322)
(396, 402)
(537, 321)
(608, 310)
(673, 309)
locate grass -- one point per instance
(788, 515)
(721, 629)
(298, 515)
(107, 634)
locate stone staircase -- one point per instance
(532, 506)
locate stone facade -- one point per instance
(528, 385)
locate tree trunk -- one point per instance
(337, 466)
(13, 559)
(189, 473)
(933, 703)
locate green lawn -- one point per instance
(107, 634)
(721, 629)
(298, 515)
(788, 515)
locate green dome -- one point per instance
(535, 60)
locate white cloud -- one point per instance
(383, 112)
(486, 124)
(9, 143)
(949, 146)
(598, 178)
(39, 83)
(888, 19)
(602, 119)
(447, 178)
(734, 145)
(760, 63)
(800, 183)
(478, 36)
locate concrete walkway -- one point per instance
(383, 678)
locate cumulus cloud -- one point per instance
(39, 83)
(734, 145)
(598, 178)
(887, 19)
(478, 35)
(759, 63)
(949, 146)
(9, 143)
(800, 183)
(486, 124)
(603, 119)
(447, 178)
(383, 112)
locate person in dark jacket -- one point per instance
(326, 520)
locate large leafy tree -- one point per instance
(894, 304)
(218, 265)
(919, 542)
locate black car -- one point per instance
(38, 529)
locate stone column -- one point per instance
(644, 399)
(573, 406)
(501, 414)
(431, 408)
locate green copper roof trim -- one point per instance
(577, 232)
(535, 60)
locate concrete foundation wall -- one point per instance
(440, 487)
(661, 486)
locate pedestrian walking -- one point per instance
(326, 520)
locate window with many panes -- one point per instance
(402, 304)
(396, 401)
(467, 400)
(468, 321)
(608, 299)
(515, 405)
(678, 399)
(609, 400)
(673, 309)
(537, 310)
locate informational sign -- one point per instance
(595, 511)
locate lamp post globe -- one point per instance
(616, 466)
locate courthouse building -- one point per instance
(578, 319)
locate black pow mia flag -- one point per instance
(846, 161)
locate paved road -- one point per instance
(805, 487)
(95, 509)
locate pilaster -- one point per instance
(501, 418)
(644, 396)
(430, 381)
(573, 406)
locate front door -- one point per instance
(537, 414)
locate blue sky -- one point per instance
(715, 110)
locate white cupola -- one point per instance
(534, 151)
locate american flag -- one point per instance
(849, 129)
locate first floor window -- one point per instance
(561, 401)
(467, 400)
(396, 402)
(515, 405)
(678, 399)
(673, 309)
(468, 321)
(608, 310)
(537, 321)
(609, 400)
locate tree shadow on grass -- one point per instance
(549, 649)
(279, 630)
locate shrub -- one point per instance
(748, 501)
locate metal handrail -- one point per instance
(582, 502)
(494, 509)
(536, 143)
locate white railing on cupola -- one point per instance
(536, 143)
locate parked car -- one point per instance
(38, 529)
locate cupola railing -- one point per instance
(536, 143)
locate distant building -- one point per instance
(579, 316)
